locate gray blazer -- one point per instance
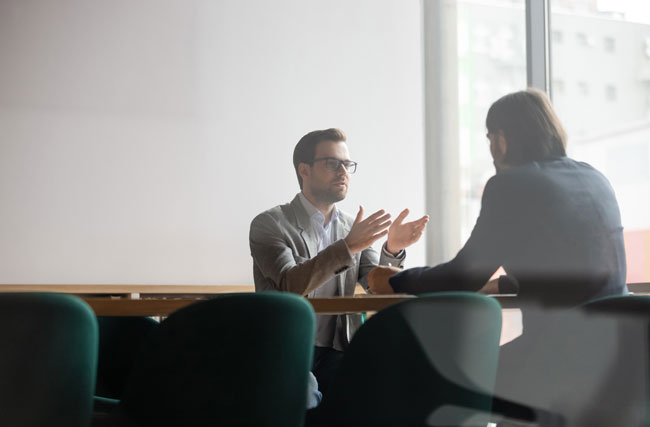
(285, 258)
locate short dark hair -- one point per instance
(305, 150)
(530, 126)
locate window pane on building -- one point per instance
(603, 101)
(492, 63)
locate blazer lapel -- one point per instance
(342, 230)
(306, 230)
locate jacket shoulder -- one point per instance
(276, 214)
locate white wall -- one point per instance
(139, 138)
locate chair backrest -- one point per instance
(625, 305)
(588, 367)
(235, 360)
(623, 396)
(427, 361)
(120, 340)
(48, 360)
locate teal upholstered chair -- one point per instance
(427, 361)
(235, 360)
(48, 360)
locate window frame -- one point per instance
(441, 138)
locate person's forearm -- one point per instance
(452, 276)
(309, 275)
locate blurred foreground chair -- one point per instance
(235, 360)
(48, 360)
(587, 368)
(120, 341)
(624, 388)
(429, 361)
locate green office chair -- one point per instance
(423, 362)
(235, 360)
(48, 360)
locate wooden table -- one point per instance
(162, 300)
(163, 306)
(128, 291)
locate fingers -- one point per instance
(422, 222)
(374, 237)
(419, 228)
(377, 227)
(418, 223)
(365, 232)
(377, 221)
(382, 216)
(382, 223)
(401, 217)
(359, 215)
(377, 216)
(378, 236)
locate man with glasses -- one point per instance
(311, 248)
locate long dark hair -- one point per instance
(530, 126)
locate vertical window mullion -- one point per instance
(442, 172)
(538, 46)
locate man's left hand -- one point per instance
(402, 234)
(378, 279)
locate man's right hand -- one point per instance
(365, 232)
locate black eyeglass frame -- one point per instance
(347, 164)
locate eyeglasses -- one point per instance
(334, 164)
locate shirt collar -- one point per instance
(314, 213)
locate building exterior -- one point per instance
(600, 87)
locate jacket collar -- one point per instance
(303, 221)
(302, 217)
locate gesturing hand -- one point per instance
(401, 235)
(365, 232)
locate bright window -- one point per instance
(607, 116)
(491, 63)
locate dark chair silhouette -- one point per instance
(588, 368)
(623, 390)
(423, 362)
(235, 360)
(120, 341)
(48, 360)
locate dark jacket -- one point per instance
(553, 225)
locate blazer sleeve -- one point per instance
(276, 261)
(485, 250)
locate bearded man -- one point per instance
(311, 248)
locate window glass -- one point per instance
(604, 102)
(492, 63)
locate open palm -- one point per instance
(402, 234)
